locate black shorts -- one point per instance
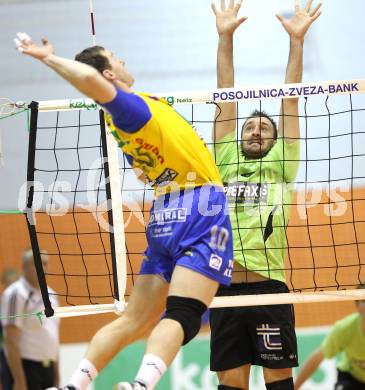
(38, 376)
(259, 335)
(346, 381)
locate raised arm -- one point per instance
(310, 365)
(226, 23)
(296, 27)
(83, 77)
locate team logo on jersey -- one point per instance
(166, 177)
(269, 338)
(146, 147)
(215, 262)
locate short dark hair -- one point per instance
(260, 114)
(93, 56)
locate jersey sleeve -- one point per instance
(289, 156)
(334, 342)
(224, 151)
(129, 111)
(12, 304)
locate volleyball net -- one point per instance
(88, 212)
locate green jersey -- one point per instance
(260, 194)
(347, 336)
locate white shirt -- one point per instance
(38, 342)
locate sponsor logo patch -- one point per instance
(215, 262)
(269, 338)
(168, 216)
(246, 192)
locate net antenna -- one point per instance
(92, 20)
(116, 199)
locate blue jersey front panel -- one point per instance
(192, 229)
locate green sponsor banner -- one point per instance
(190, 369)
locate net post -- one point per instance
(30, 218)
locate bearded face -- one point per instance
(258, 137)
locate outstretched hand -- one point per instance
(227, 19)
(25, 45)
(299, 23)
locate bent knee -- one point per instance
(236, 378)
(283, 384)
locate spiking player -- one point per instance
(256, 173)
(188, 255)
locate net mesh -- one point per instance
(324, 240)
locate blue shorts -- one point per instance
(191, 229)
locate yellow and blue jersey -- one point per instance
(192, 229)
(160, 142)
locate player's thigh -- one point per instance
(191, 284)
(276, 374)
(147, 300)
(235, 377)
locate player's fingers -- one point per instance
(214, 8)
(231, 4)
(297, 6)
(18, 45)
(237, 6)
(314, 12)
(317, 15)
(308, 6)
(241, 20)
(280, 17)
(24, 37)
(223, 5)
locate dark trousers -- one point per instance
(345, 381)
(6, 378)
(38, 377)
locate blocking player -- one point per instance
(257, 172)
